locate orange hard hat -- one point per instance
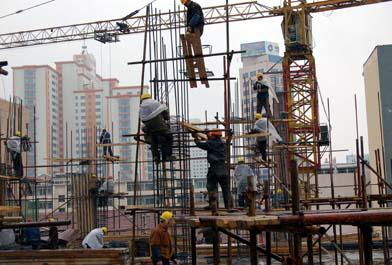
(215, 132)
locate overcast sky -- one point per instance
(343, 41)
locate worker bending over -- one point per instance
(262, 88)
(241, 173)
(94, 239)
(161, 242)
(194, 17)
(105, 138)
(15, 145)
(262, 125)
(156, 120)
(217, 171)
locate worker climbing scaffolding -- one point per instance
(156, 120)
(191, 43)
(262, 88)
(262, 125)
(16, 145)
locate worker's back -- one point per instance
(94, 239)
(13, 144)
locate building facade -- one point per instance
(377, 72)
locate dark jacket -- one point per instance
(105, 138)
(161, 243)
(195, 16)
(262, 90)
(216, 150)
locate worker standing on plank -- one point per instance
(94, 239)
(217, 171)
(194, 17)
(262, 125)
(262, 88)
(161, 242)
(105, 138)
(156, 120)
(14, 148)
(241, 173)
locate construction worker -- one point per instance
(194, 17)
(105, 138)
(262, 125)
(161, 242)
(156, 120)
(14, 148)
(241, 173)
(217, 171)
(94, 239)
(262, 88)
(53, 240)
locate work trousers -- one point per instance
(17, 162)
(106, 149)
(264, 103)
(217, 174)
(160, 140)
(262, 148)
(242, 200)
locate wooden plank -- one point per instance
(254, 135)
(116, 144)
(10, 219)
(195, 42)
(9, 209)
(195, 129)
(9, 177)
(189, 62)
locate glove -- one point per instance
(189, 29)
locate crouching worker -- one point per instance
(217, 171)
(241, 173)
(161, 242)
(194, 17)
(94, 239)
(156, 120)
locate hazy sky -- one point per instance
(343, 41)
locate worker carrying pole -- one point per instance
(94, 239)
(262, 125)
(194, 17)
(15, 145)
(217, 171)
(161, 242)
(156, 119)
(262, 87)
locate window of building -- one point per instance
(61, 198)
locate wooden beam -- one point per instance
(9, 209)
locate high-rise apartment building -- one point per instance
(38, 87)
(377, 72)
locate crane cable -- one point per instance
(22, 10)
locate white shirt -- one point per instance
(261, 127)
(241, 174)
(150, 108)
(13, 144)
(94, 239)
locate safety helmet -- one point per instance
(184, 2)
(145, 95)
(17, 133)
(104, 230)
(215, 132)
(258, 116)
(241, 160)
(259, 74)
(166, 216)
(51, 220)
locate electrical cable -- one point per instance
(22, 10)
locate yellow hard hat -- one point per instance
(145, 95)
(259, 74)
(51, 220)
(167, 215)
(258, 116)
(241, 160)
(104, 230)
(184, 2)
(17, 133)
